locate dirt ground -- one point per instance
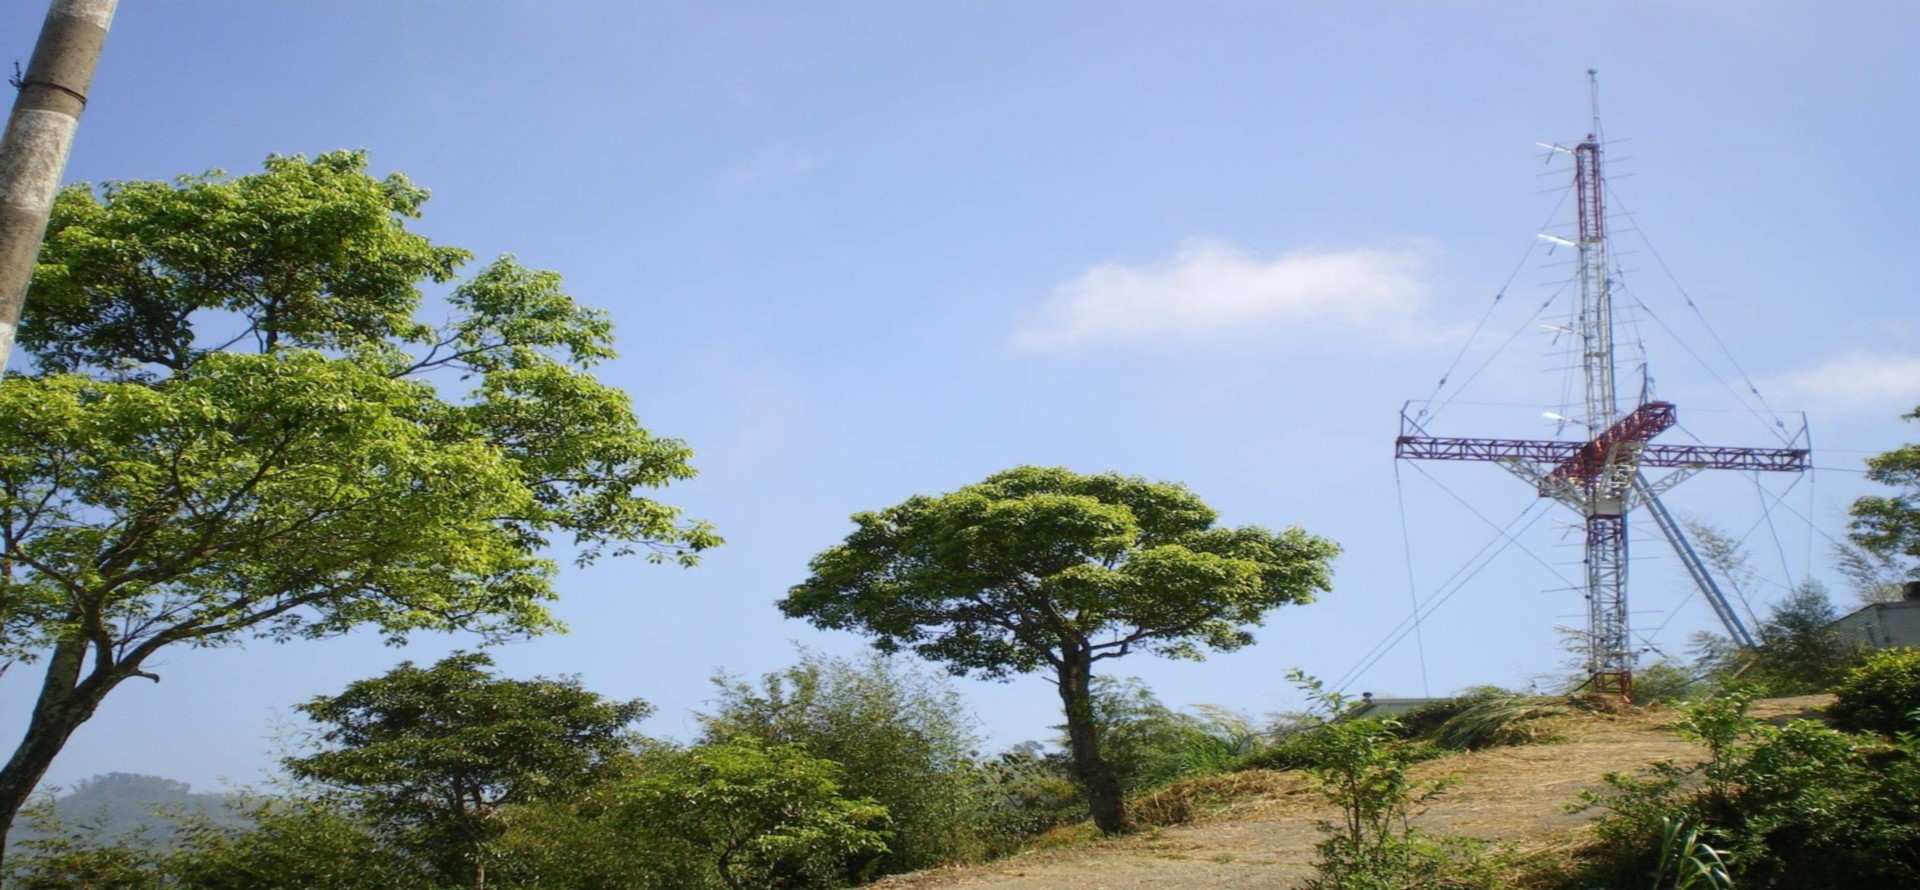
(1510, 795)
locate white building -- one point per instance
(1883, 625)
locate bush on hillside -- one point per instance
(899, 735)
(1499, 721)
(1881, 694)
(1668, 683)
(1150, 745)
(1795, 807)
(1426, 720)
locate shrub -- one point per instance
(294, 844)
(1800, 652)
(1688, 862)
(1796, 806)
(899, 734)
(1190, 799)
(1150, 745)
(1668, 683)
(759, 815)
(1360, 766)
(1497, 721)
(1022, 795)
(1292, 752)
(1881, 694)
(63, 855)
(1422, 722)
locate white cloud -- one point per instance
(1209, 290)
(1855, 382)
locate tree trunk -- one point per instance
(1083, 742)
(65, 702)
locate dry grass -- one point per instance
(1223, 796)
(1255, 829)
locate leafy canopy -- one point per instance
(1036, 564)
(1889, 526)
(899, 733)
(432, 754)
(239, 427)
(419, 740)
(761, 815)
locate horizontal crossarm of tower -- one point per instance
(1555, 453)
(1643, 423)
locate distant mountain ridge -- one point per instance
(114, 806)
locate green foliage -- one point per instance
(762, 816)
(1043, 569)
(1360, 766)
(1425, 720)
(210, 454)
(1881, 693)
(900, 737)
(1688, 862)
(1151, 745)
(1874, 577)
(297, 844)
(583, 841)
(1027, 794)
(1497, 720)
(239, 430)
(1290, 752)
(1666, 683)
(1797, 806)
(1008, 574)
(1799, 652)
(432, 754)
(58, 853)
(1889, 526)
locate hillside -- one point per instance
(1515, 796)
(114, 806)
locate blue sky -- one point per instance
(858, 251)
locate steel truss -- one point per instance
(1601, 477)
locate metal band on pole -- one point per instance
(33, 154)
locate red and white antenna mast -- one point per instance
(1603, 498)
(1602, 478)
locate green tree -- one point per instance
(296, 843)
(1360, 766)
(1800, 652)
(584, 842)
(1873, 577)
(1041, 569)
(81, 852)
(1888, 527)
(763, 816)
(237, 429)
(901, 736)
(435, 753)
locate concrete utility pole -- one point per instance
(34, 152)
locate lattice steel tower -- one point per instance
(1602, 478)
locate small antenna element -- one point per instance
(1593, 102)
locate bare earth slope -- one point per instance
(1513, 795)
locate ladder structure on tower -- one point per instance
(1605, 478)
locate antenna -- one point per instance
(1593, 104)
(1602, 478)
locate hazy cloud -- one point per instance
(1857, 382)
(1210, 290)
